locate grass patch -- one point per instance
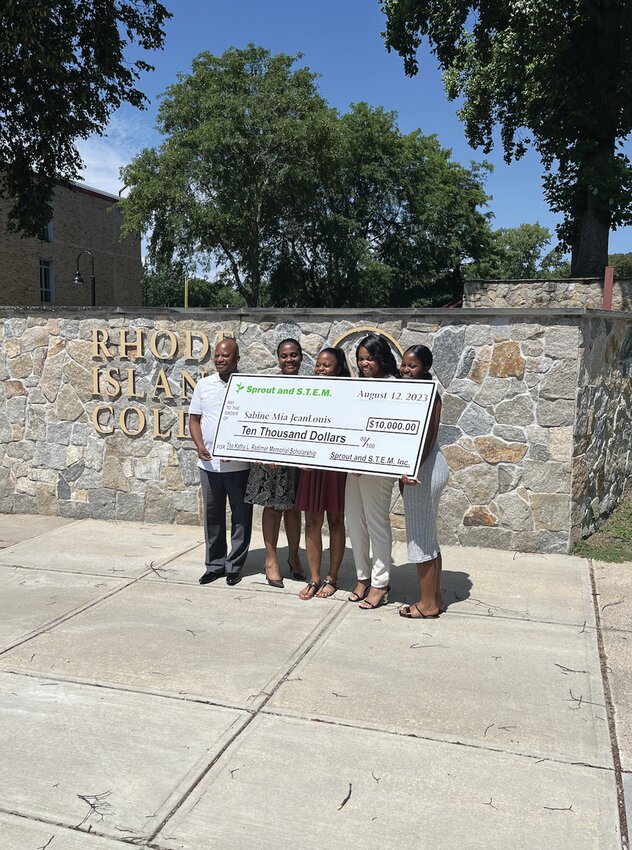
(613, 541)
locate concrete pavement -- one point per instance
(137, 707)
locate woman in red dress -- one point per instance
(321, 492)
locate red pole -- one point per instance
(608, 280)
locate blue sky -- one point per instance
(340, 40)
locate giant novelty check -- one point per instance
(373, 426)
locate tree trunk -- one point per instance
(590, 252)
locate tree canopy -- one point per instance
(63, 72)
(555, 74)
(519, 253)
(261, 181)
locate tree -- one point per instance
(513, 253)
(246, 142)
(622, 264)
(63, 72)
(260, 180)
(553, 74)
(390, 227)
(164, 287)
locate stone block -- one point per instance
(130, 507)
(493, 450)
(50, 381)
(80, 433)
(509, 477)
(147, 468)
(515, 411)
(451, 408)
(186, 501)
(555, 412)
(465, 363)
(80, 380)
(68, 406)
(507, 360)
(532, 348)
(551, 512)
(23, 450)
(560, 381)
(480, 366)
(463, 388)
(23, 504)
(113, 475)
(488, 537)
(34, 338)
(511, 433)
(173, 478)
(12, 347)
(75, 470)
(541, 541)
(75, 510)
(492, 391)
(475, 420)
(448, 345)
(480, 515)
(478, 335)
(63, 488)
(50, 456)
(546, 477)
(59, 433)
(93, 453)
(159, 505)
(479, 483)
(459, 458)
(14, 388)
(514, 512)
(501, 328)
(562, 341)
(102, 503)
(448, 434)
(561, 443)
(21, 366)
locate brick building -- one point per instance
(43, 272)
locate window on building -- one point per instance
(47, 232)
(47, 282)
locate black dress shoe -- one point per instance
(233, 578)
(207, 578)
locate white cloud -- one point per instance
(127, 134)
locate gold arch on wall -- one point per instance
(368, 329)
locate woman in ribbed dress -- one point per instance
(421, 500)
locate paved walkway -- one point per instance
(137, 707)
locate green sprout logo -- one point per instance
(240, 387)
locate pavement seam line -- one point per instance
(255, 713)
(616, 759)
(63, 618)
(448, 742)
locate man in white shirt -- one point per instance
(220, 478)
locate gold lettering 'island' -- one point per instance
(376, 426)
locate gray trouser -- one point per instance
(216, 486)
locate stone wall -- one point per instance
(566, 293)
(93, 410)
(603, 422)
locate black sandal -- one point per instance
(359, 598)
(329, 582)
(407, 613)
(307, 586)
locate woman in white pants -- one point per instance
(368, 497)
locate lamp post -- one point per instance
(79, 279)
